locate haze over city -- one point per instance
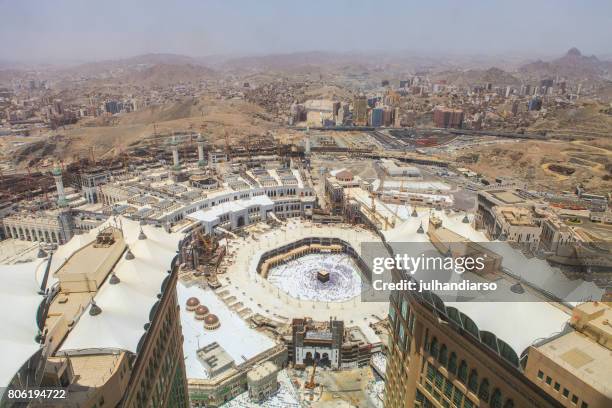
(80, 31)
(317, 204)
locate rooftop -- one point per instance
(214, 358)
(126, 306)
(215, 212)
(87, 268)
(507, 197)
(262, 371)
(583, 357)
(237, 339)
(520, 323)
(517, 216)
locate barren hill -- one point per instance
(168, 74)
(572, 65)
(237, 118)
(547, 165)
(471, 77)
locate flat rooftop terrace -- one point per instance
(507, 197)
(87, 268)
(583, 357)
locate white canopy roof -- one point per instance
(519, 324)
(126, 305)
(19, 301)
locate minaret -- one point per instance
(200, 142)
(307, 142)
(59, 185)
(175, 155)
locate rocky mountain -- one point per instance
(572, 65)
(168, 74)
(473, 77)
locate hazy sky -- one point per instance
(85, 30)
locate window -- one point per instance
(434, 347)
(437, 395)
(557, 386)
(574, 399)
(540, 374)
(462, 371)
(457, 397)
(419, 396)
(483, 391)
(496, 399)
(439, 380)
(584, 405)
(473, 381)
(430, 372)
(565, 392)
(443, 358)
(448, 389)
(452, 363)
(548, 380)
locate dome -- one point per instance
(192, 303)
(201, 311)
(211, 322)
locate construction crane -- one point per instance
(248, 148)
(399, 197)
(373, 203)
(227, 145)
(208, 243)
(311, 383)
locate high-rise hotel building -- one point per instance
(438, 358)
(450, 355)
(99, 319)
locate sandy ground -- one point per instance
(530, 161)
(110, 136)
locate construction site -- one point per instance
(273, 285)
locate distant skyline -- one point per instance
(73, 30)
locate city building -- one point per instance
(52, 226)
(573, 368)
(519, 224)
(90, 182)
(440, 357)
(328, 344)
(316, 343)
(360, 110)
(394, 170)
(320, 111)
(535, 104)
(447, 118)
(120, 278)
(376, 117)
(262, 381)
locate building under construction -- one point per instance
(327, 344)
